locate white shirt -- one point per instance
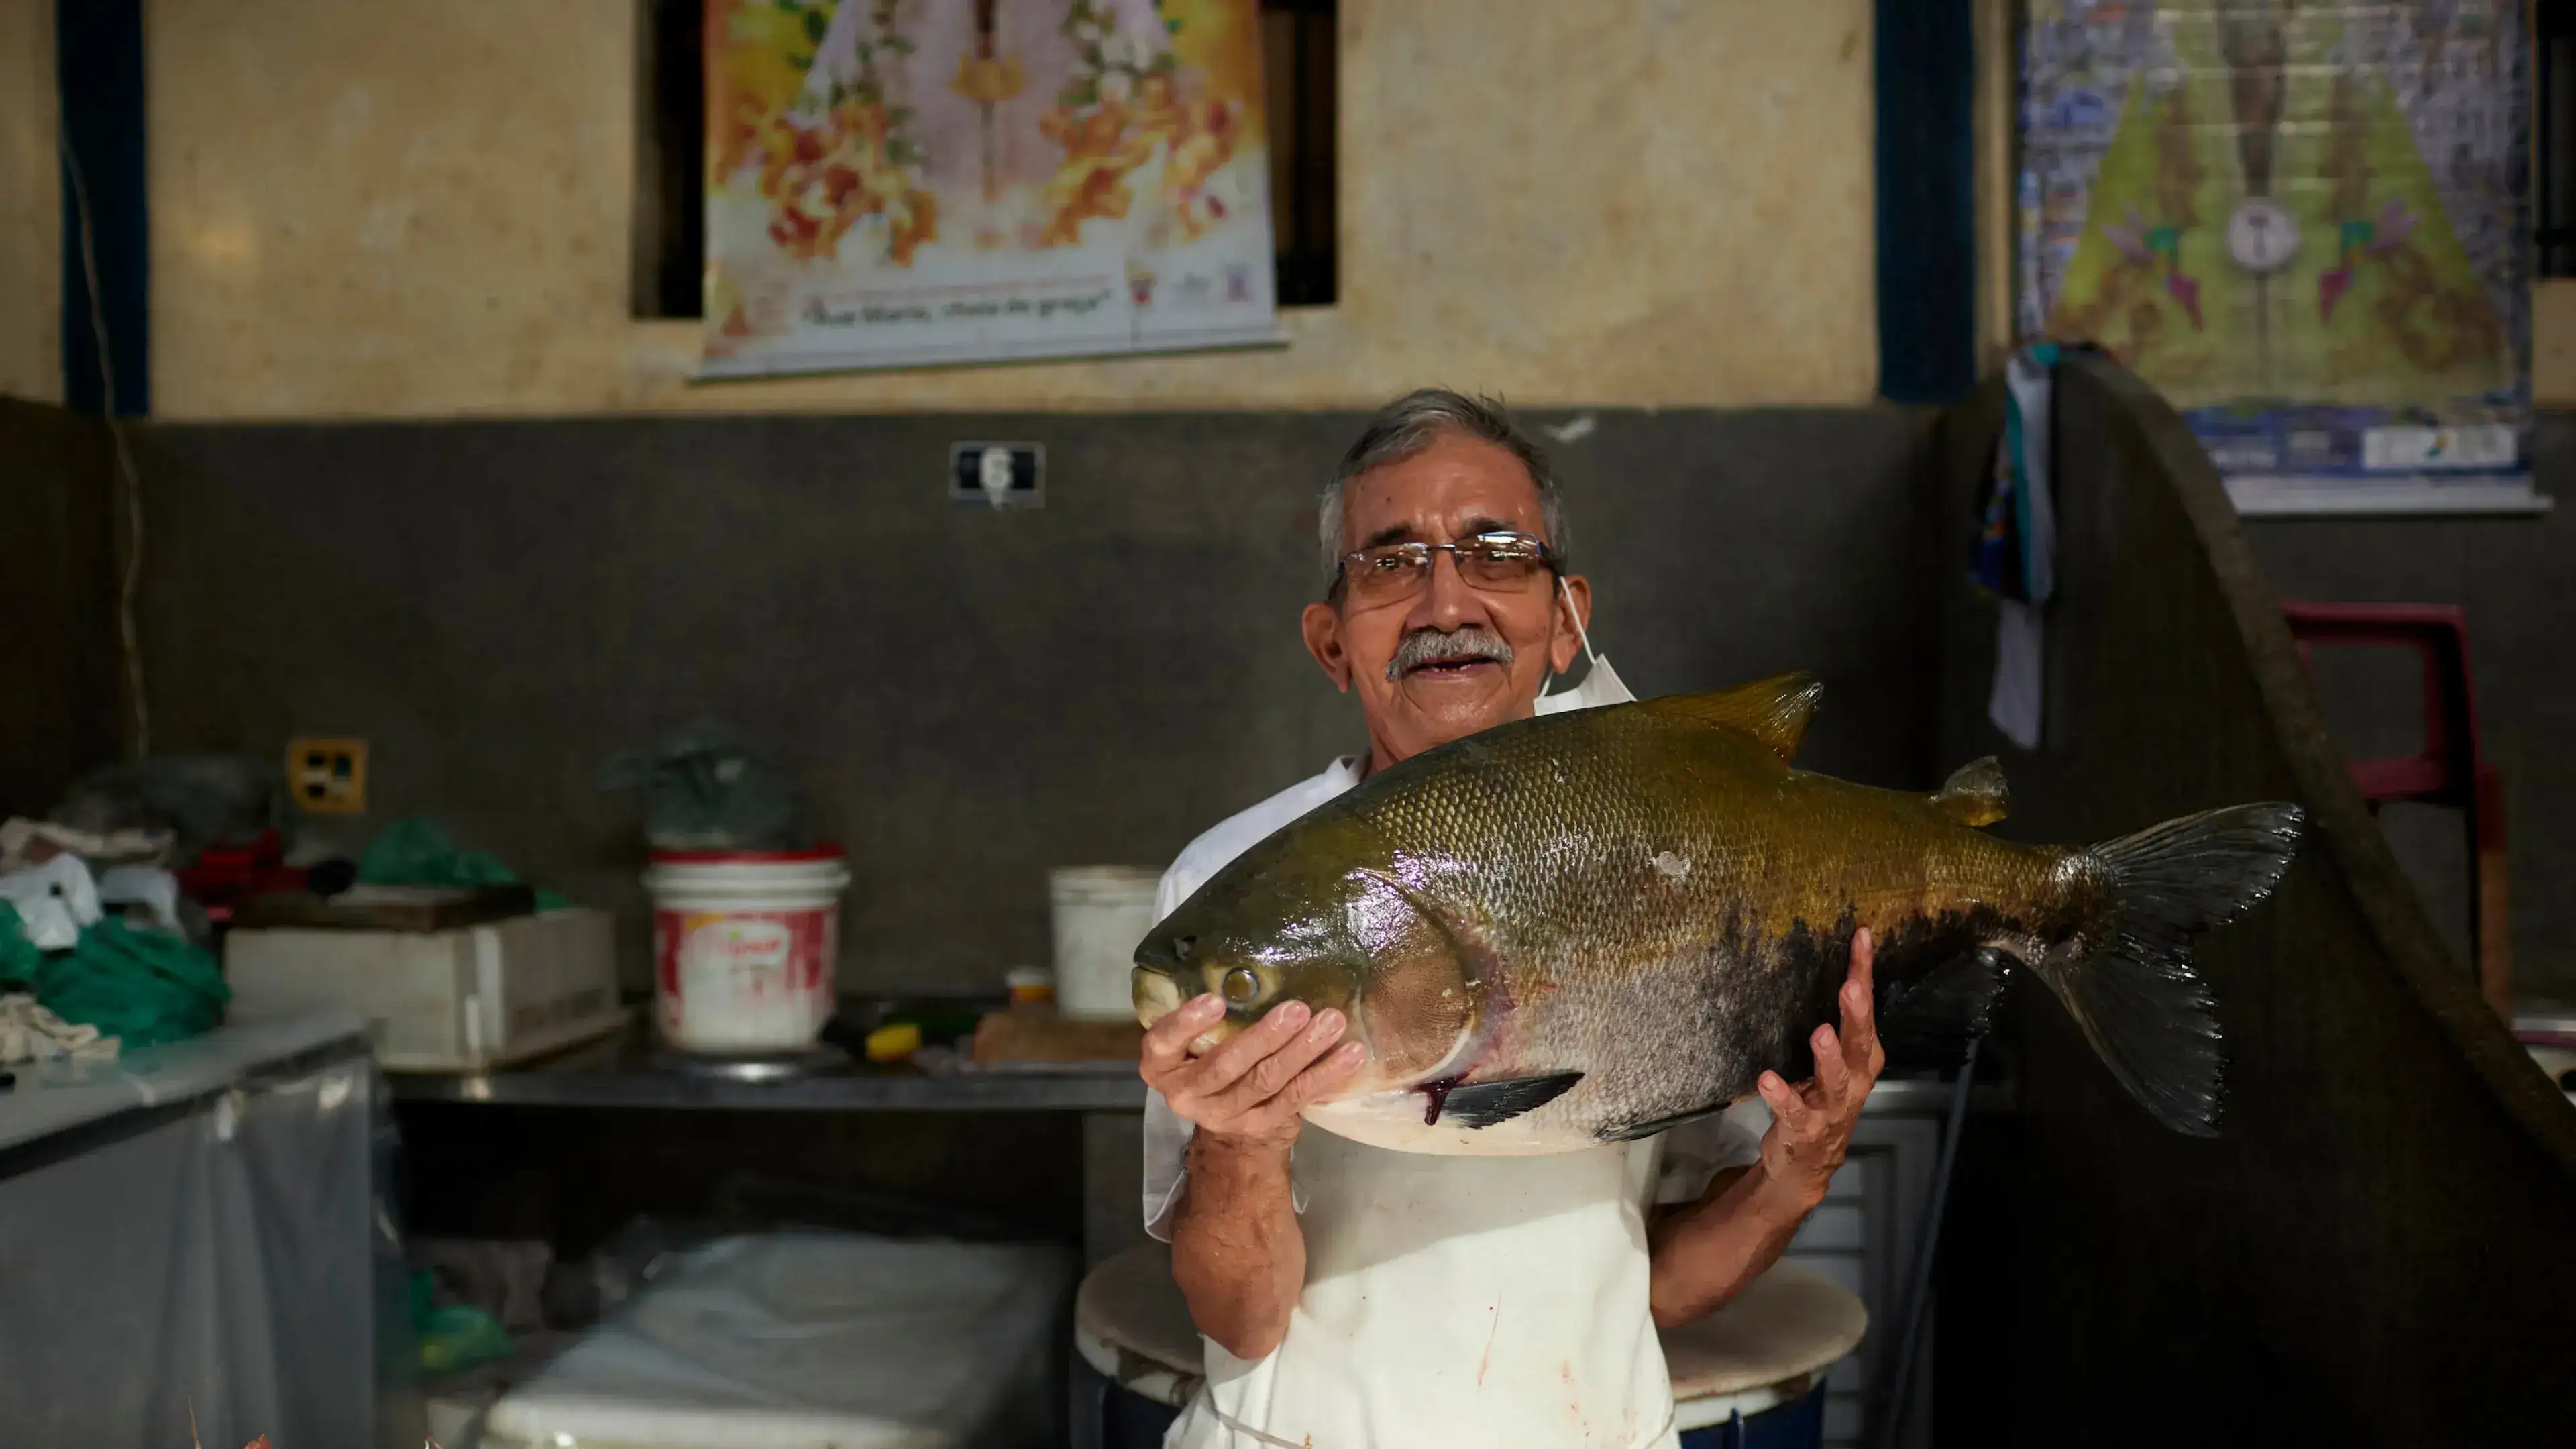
(1448, 1300)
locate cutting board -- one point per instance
(389, 908)
(1032, 1033)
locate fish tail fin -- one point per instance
(2129, 982)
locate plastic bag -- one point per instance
(702, 790)
(417, 852)
(53, 901)
(624, 1263)
(848, 1339)
(505, 1277)
(142, 987)
(198, 799)
(453, 1336)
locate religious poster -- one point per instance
(2305, 224)
(900, 182)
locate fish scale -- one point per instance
(1550, 856)
(1572, 929)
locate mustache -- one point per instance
(1430, 646)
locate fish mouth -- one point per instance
(1155, 994)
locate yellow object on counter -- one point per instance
(894, 1043)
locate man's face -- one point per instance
(1448, 681)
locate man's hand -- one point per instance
(1705, 1254)
(1252, 1087)
(1236, 1251)
(1811, 1124)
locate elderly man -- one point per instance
(1352, 1296)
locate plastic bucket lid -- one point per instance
(1102, 882)
(828, 850)
(764, 873)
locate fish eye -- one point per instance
(1181, 947)
(1242, 986)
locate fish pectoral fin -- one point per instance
(1483, 1104)
(1929, 1022)
(1975, 793)
(1773, 711)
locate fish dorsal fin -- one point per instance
(1772, 710)
(1975, 793)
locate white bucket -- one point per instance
(744, 944)
(1101, 913)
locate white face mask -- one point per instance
(1600, 684)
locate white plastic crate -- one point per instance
(459, 1000)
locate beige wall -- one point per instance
(422, 209)
(31, 218)
(2553, 343)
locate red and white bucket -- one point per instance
(744, 943)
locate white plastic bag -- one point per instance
(54, 900)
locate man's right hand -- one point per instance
(1236, 1251)
(1253, 1086)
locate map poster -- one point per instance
(903, 182)
(2305, 224)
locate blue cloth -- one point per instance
(1797, 1424)
(2016, 536)
(2014, 558)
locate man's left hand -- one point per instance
(1811, 1123)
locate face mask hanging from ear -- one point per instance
(1600, 684)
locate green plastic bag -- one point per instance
(453, 1336)
(142, 987)
(19, 957)
(416, 852)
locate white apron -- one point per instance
(1473, 1302)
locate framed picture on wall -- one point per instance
(2307, 225)
(904, 182)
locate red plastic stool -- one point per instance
(2450, 769)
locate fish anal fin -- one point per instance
(1928, 1022)
(1975, 793)
(1773, 711)
(1637, 1130)
(1483, 1104)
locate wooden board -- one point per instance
(390, 908)
(1037, 1034)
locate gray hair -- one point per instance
(1414, 422)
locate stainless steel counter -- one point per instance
(629, 1070)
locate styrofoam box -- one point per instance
(460, 1000)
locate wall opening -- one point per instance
(2553, 133)
(670, 224)
(1300, 57)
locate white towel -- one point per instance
(30, 1033)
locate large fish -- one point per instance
(1590, 926)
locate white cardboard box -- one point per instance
(461, 1000)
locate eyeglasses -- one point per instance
(1496, 562)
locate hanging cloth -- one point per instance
(2014, 559)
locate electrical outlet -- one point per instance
(328, 776)
(1005, 475)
